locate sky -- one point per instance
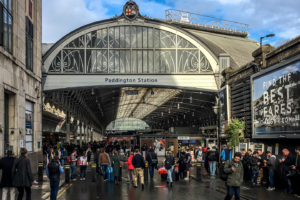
(280, 17)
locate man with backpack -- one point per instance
(169, 162)
(152, 162)
(226, 153)
(53, 171)
(213, 156)
(199, 155)
(235, 171)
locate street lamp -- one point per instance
(270, 35)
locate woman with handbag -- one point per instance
(130, 170)
(83, 165)
(152, 162)
(116, 166)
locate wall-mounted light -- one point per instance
(93, 92)
(162, 114)
(183, 116)
(169, 111)
(20, 130)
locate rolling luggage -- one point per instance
(110, 176)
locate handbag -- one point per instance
(79, 163)
(153, 161)
(162, 170)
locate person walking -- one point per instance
(130, 169)
(254, 166)
(188, 164)
(213, 156)
(138, 163)
(152, 162)
(104, 162)
(96, 159)
(6, 164)
(169, 165)
(89, 154)
(73, 165)
(65, 154)
(22, 175)
(51, 155)
(59, 154)
(262, 157)
(235, 171)
(296, 178)
(182, 164)
(226, 153)
(83, 166)
(199, 155)
(271, 166)
(116, 166)
(53, 171)
(286, 162)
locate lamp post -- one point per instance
(261, 38)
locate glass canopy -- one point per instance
(127, 124)
(130, 49)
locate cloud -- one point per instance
(290, 69)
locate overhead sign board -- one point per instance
(183, 137)
(276, 102)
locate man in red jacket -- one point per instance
(130, 169)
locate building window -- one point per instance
(29, 44)
(6, 24)
(29, 125)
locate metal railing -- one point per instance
(206, 21)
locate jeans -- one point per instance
(21, 193)
(73, 168)
(231, 190)
(12, 192)
(288, 183)
(54, 184)
(169, 172)
(271, 178)
(151, 171)
(212, 167)
(104, 168)
(82, 171)
(254, 176)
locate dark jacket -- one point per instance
(262, 157)
(153, 156)
(271, 162)
(253, 163)
(97, 156)
(21, 173)
(171, 161)
(182, 163)
(53, 168)
(289, 161)
(213, 155)
(245, 160)
(6, 164)
(234, 178)
(138, 161)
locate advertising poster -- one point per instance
(159, 146)
(276, 102)
(224, 113)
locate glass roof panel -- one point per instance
(127, 124)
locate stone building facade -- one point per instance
(20, 78)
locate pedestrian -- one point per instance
(131, 148)
(235, 171)
(188, 163)
(116, 166)
(182, 165)
(271, 167)
(51, 155)
(118, 147)
(286, 162)
(254, 166)
(206, 162)
(199, 154)
(104, 162)
(144, 149)
(22, 175)
(88, 154)
(6, 164)
(226, 153)
(213, 157)
(249, 151)
(130, 169)
(53, 171)
(296, 178)
(138, 163)
(152, 162)
(262, 158)
(73, 164)
(244, 160)
(84, 163)
(65, 155)
(97, 158)
(169, 165)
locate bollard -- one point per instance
(67, 173)
(40, 171)
(93, 172)
(146, 173)
(120, 173)
(199, 171)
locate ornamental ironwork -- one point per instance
(130, 10)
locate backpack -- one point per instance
(84, 162)
(211, 156)
(223, 175)
(168, 162)
(69, 159)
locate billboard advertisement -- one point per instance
(224, 112)
(276, 102)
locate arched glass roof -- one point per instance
(130, 49)
(127, 124)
